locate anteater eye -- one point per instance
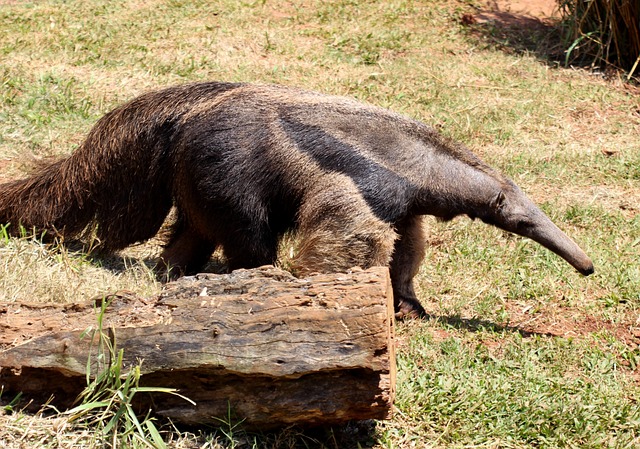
(498, 203)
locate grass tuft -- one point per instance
(107, 403)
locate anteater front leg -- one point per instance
(185, 253)
(253, 245)
(337, 231)
(405, 263)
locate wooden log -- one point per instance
(273, 349)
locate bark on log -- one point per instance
(273, 349)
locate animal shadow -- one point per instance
(479, 325)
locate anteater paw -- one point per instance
(409, 308)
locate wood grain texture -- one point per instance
(272, 348)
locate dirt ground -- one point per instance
(511, 14)
(533, 8)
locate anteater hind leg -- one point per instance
(338, 231)
(405, 263)
(185, 253)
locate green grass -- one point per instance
(520, 351)
(106, 404)
(470, 389)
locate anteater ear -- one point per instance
(499, 200)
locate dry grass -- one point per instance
(603, 31)
(567, 137)
(60, 275)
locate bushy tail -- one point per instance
(43, 203)
(109, 188)
(117, 184)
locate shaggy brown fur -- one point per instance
(244, 164)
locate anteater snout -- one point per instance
(587, 269)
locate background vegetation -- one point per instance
(603, 32)
(520, 351)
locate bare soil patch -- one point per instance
(519, 25)
(571, 323)
(4, 166)
(518, 12)
(550, 321)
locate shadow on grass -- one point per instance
(478, 325)
(118, 263)
(351, 435)
(518, 33)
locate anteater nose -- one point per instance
(587, 269)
